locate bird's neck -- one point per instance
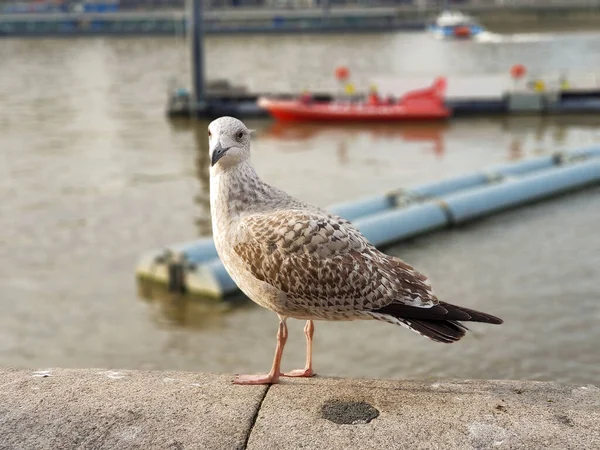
(234, 190)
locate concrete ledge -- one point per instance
(102, 409)
(99, 409)
(439, 415)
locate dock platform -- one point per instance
(245, 106)
(557, 93)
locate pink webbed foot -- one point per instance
(306, 373)
(256, 379)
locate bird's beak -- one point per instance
(218, 153)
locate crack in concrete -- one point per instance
(255, 417)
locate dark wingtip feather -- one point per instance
(439, 323)
(444, 331)
(476, 316)
(442, 311)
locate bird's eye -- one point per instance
(240, 135)
(209, 134)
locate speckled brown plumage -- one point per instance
(325, 267)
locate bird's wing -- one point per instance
(322, 263)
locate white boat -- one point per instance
(455, 24)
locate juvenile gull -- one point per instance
(302, 262)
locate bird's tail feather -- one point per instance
(439, 323)
(446, 331)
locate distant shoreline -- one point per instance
(313, 20)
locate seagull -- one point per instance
(304, 263)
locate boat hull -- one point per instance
(291, 110)
(457, 32)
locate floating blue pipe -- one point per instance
(352, 210)
(451, 185)
(479, 202)
(198, 251)
(524, 167)
(203, 249)
(452, 203)
(397, 224)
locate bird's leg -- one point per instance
(273, 376)
(309, 331)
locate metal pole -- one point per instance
(197, 35)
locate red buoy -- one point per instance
(342, 73)
(517, 71)
(462, 32)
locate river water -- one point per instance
(92, 175)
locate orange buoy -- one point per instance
(517, 71)
(342, 73)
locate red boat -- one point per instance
(423, 104)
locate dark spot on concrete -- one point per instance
(519, 391)
(501, 408)
(565, 419)
(348, 413)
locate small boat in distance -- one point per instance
(454, 24)
(421, 104)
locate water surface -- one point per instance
(92, 175)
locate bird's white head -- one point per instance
(229, 142)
